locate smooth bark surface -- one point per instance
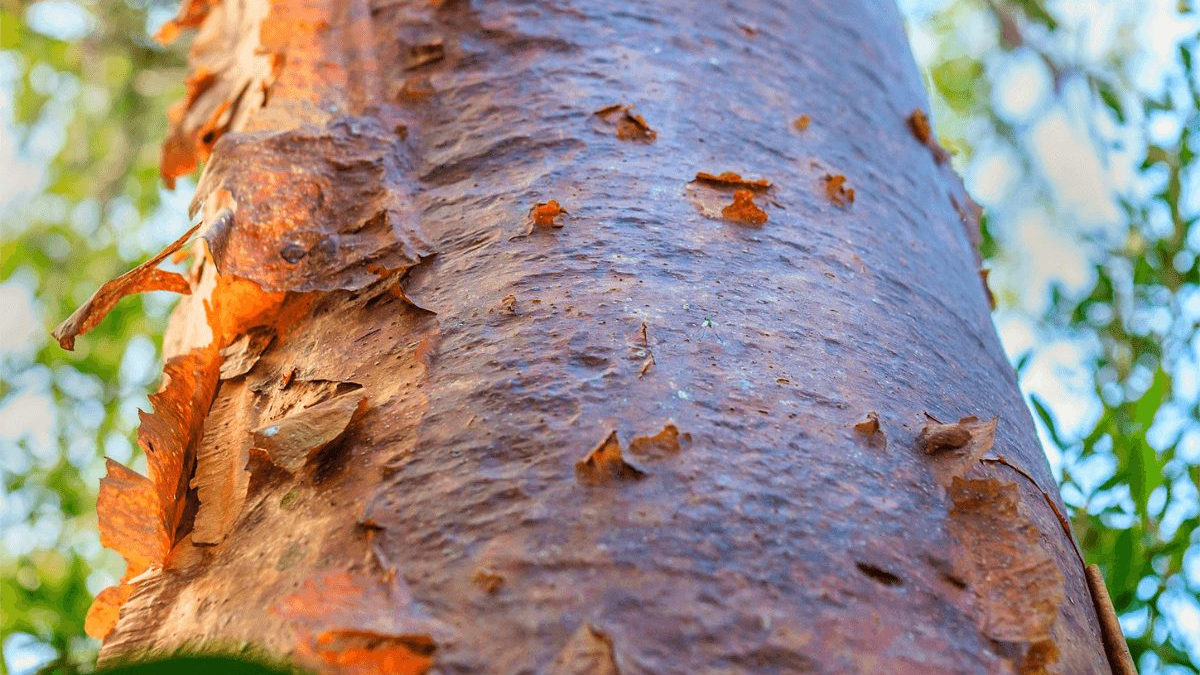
(510, 389)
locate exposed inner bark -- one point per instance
(629, 438)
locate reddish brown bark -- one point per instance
(622, 433)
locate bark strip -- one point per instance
(1115, 645)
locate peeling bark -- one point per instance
(455, 359)
(141, 279)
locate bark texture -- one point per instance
(520, 378)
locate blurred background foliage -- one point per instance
(83, 92)
(1071, 120)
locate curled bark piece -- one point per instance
(983, 277)
(837, 191)
(296, 439)
(735, 180)
(545, 214)
(604, 464)
(239, 357)
(222, 478)
(105, 610)
(663, 444)
(918, 123)
(229, 79)
(191, 14)
(1016, 583)
(937, 438)
(347, 624)
(362, 652)
(743, 210)
(143, 278)
(316, 208)
(588, 652)
(869, 426)
(629, 126)
(710, 194)
(397, 287)
(508, 304)
(169, 435)
(487, 579)
(220, 309)
(955, 449)
(138, 516)
(398, 291)
(640, 350)
(1063, 522)
(1115, 645)
(128, 514)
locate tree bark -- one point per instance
(507, 377)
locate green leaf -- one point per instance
(958, 80)
(1047, 419)
(1036, 11)
(1148, 404)
(1112, 101)
(1144, 475)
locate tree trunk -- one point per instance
(507, 377)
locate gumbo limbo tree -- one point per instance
(581, 337)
